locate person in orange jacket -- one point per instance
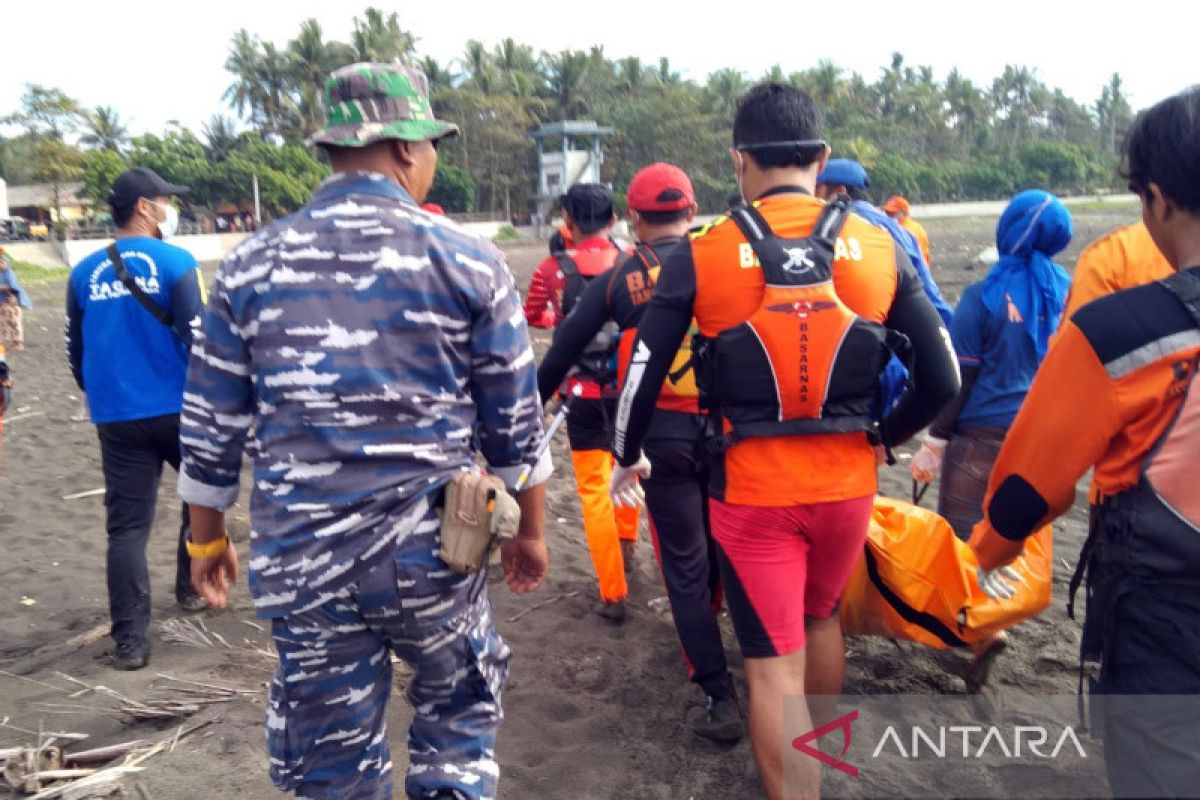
(1120, 259)
(898, 209)
(1117, 392)
(556, 286)
(791, 489)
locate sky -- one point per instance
(164, 61)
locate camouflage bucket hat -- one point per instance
(368, 102)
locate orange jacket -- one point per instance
(1109, 386)
(1120, 259)
(918, 230)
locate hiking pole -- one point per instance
(555, 424)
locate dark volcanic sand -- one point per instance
(592, 710)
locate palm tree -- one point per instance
(667, 75)
(564, 75)
(104, 130)
(630, 73)
(276, 104)
(376, 38)
(310, 61)
(243, 63)
(220, 137)
(439, 77)
(477, 65)
(724, 87)
(966, 110)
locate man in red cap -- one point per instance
(897, 208)
(661, 207)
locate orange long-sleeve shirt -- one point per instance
(1120, 259)
(918, 231)
(1108, 388)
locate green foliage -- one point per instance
(507, 233)
(16, 159)
(33, 274)
(287, 173)
(48, 116)
(928, 139)
(100, 169)
(453, 190)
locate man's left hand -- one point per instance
(212, 577)
(626, 489)
(526, 562)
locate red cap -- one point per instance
(896, 203)
(660, 187)
(434, 208)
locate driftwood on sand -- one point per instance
(52, 652)
(46, 772)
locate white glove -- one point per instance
(625, 489)
(995, 583)
(928, 460)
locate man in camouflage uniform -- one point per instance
(372, 348)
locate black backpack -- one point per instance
(599, 359)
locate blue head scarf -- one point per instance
(1025, 282)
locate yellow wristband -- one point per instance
(207, 550)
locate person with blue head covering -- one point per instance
(1001, 330)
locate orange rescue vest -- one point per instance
(679, 391)
(803, 362)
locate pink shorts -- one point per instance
(782, 564)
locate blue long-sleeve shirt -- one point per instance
(908, 243)
(895, 376)
(373, 349)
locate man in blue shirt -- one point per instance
(132, 362)
(847, 176)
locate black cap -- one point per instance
(140, 182)
(589, 203)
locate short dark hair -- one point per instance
(1163, 147)
(587, 229)
(664, 217)
(122, 215)
(857, 193)
(775, 112)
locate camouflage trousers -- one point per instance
(326, 733)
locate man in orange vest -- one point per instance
(792, 488)
(556, 286)
(898, 209)
(1117, 392)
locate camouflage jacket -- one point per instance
(367, 349)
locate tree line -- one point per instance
(931, 140)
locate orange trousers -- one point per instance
(604, 524)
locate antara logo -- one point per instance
(943, 742)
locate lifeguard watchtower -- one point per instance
(560, 169)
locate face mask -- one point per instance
(170, 225)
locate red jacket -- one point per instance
(543, 304)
